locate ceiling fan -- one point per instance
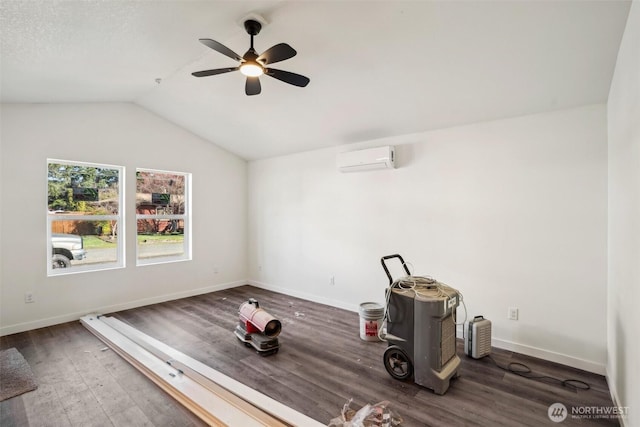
(253, 65)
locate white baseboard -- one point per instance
(552, 356)
(564, 359)
(541, 353)
(305, 296)
(70, 317)
(613, 390)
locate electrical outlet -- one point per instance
(512, 314)
(29, 298)
(332, 280)
(215, 270)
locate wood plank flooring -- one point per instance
(322, 363)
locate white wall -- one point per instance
(624, 222)
(119, 134)
(511, 212)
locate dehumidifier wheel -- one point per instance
(397, 363)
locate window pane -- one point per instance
(161, 237)
(84, 189)
(162, 215)
(84, 217)
(160, 193)
(82, 242)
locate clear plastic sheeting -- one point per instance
(378, 415)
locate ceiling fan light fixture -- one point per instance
(251, 69)
(253, 65)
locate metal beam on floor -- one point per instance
(215, 398)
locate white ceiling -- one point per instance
(377, 68)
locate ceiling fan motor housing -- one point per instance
(253, 27)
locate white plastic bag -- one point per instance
(377, 415)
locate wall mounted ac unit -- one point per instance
(368, 159)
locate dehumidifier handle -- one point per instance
(386, 270)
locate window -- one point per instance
(85, 227)
(163, 216)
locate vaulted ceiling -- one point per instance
(377, 68)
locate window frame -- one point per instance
(119, 218)
(187, 254)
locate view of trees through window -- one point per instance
(161, 214)
(83, 217)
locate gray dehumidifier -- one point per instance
(421, 330)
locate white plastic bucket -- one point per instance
(371, 315)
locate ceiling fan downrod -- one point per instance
(253, 29)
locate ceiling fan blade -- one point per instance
(277, 53)
(287, 77)
(214, 72)
(252, 87)
(219, 47)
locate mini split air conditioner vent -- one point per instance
(369, 159)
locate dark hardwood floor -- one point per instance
(322, 363)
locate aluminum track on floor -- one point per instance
(215, 398)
